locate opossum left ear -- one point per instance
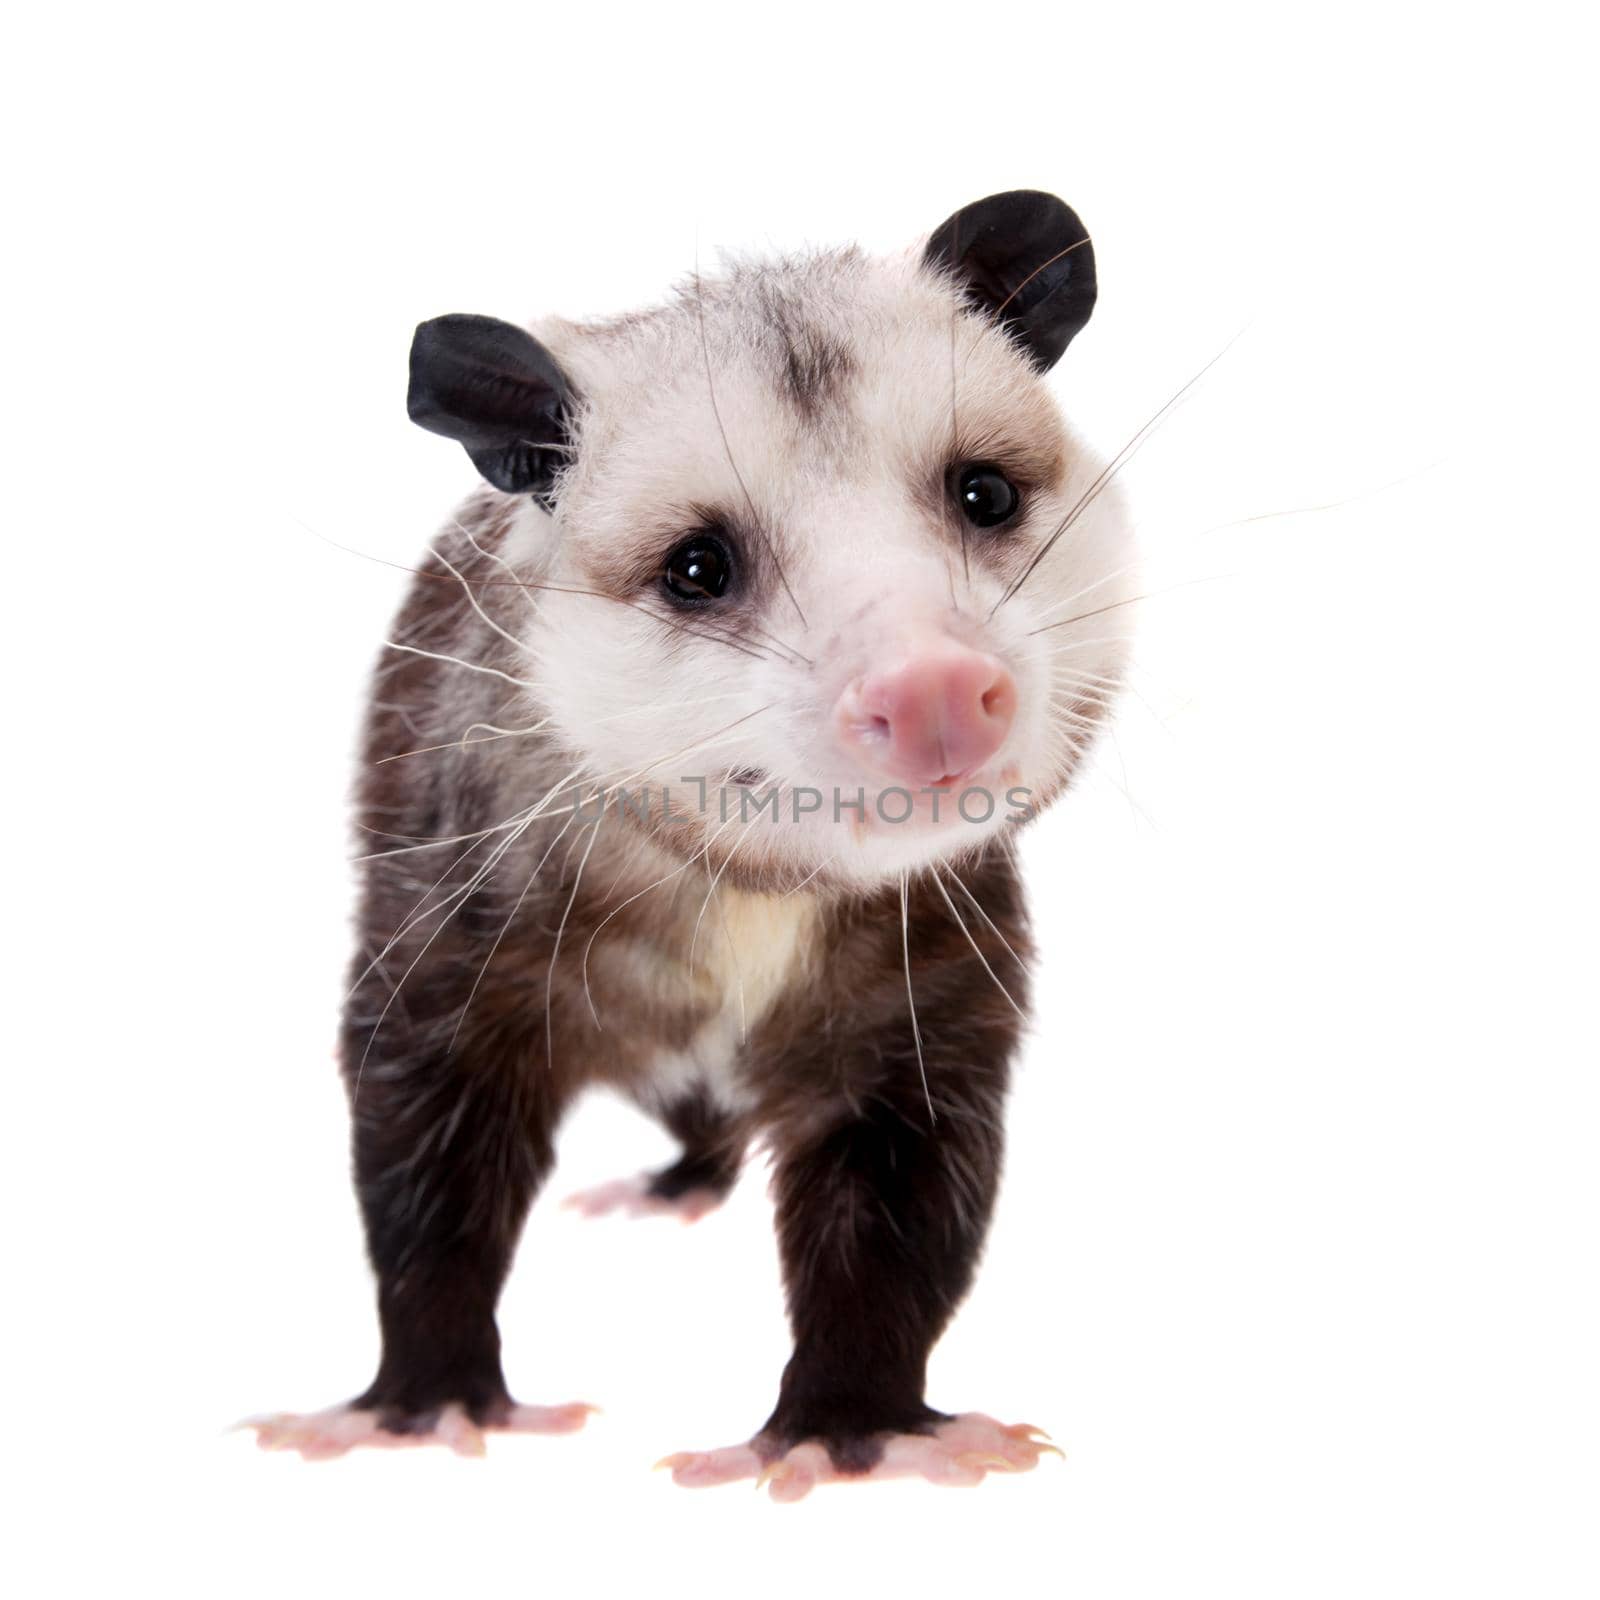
(498, 392)
(1024, 258)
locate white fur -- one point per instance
(752, 949)
(867, 564)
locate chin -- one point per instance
(853, 832)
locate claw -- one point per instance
(787, 1480)
(990, 1459)
(1026, 1430)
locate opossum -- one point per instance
(694, 768)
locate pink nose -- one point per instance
(938, 714)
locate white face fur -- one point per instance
(808, 416)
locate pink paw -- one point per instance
(960, 1452)
(632, 1198)
(322, 1435)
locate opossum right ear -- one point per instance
(1025, 258)
(498, 392)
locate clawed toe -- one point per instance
(545, 1419)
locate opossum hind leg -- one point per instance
(692, 1186)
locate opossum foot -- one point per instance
(322, 1435)
(633, 1197)
(957, 1453)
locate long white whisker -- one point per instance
(550, 971)
(706, 853)
(1115, 465)
(520, 823)
(1089, 588)
(501, 562)
(472, 600)
(456, 661)
(727, 449)
(911, 1001)
(683, 866)
(495, 858)
(1130, 600)
(804, 881)
(955, 877)
(733, 955)
(464, 743)
(945, 893)
(506, 926)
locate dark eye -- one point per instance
(698, 570)
(987, 497)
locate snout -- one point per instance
(937, 713)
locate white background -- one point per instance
(1296, 1253)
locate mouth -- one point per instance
(970, 798)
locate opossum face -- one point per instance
(829, 589)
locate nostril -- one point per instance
(998, 701)
(942, 711)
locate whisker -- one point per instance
(472, 599)
(498, 559)
(727, 934)
(804, 881)
(999, 309)
(550, 971)
(728, 861)
(683, 866)
(1089, 588)
(955, 877)
(505, 927)
(700, 744)
(711, 392)
(426, 844)
(761, 633)
(519, 823)
(911, 1001)
(496, 856)
(1117, 462)
(955, 426)
(419, 911)
(1131, 600)
(1077, 244)
(945, 894)
(1084, 644)
(526, 584)
(457, 661)
(464, 742)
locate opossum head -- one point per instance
(827, 587)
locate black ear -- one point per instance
(1025, 258)
(496, 390)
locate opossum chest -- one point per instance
(749, 951)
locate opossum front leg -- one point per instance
(450, 1147)
(881, 1218)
